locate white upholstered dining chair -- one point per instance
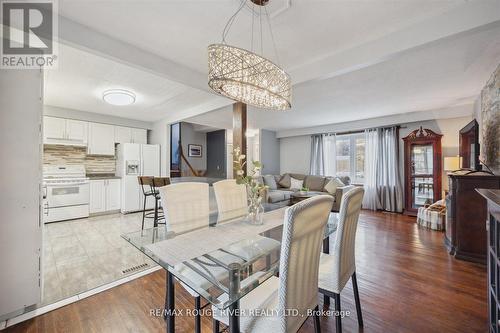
(187, 208)
(232, 202)
(232, 199)
(297, 286)
(337, 268)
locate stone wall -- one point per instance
(62, 154)
(490, 122)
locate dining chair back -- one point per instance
(232, 200)
(337, 268)
(344, 264)
(303, 231)
(186, 206)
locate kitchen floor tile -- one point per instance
(83, 254)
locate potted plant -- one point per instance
(304, 190)
(255, 190)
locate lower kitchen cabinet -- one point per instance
(113, 194)
(104, 195)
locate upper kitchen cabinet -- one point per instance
(130, 135)
(139, 135)
(123, 134)
(54, 128)
(76, 130)
(101, 139)
(64, 131)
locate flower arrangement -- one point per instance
(255, 189)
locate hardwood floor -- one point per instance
(407, 283)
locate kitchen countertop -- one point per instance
(99, 176)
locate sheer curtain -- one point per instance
(317, 165)
(329, 154)
(383, 189)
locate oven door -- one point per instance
(67, 195)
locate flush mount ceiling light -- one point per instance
(246, 76)
(118, 97)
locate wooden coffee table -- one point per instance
(299, 196)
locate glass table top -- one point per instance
(207, 260)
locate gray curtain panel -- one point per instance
(317, 163)
(383, 184)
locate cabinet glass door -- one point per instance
(422, 171)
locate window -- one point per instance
(345, 156)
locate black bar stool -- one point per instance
(157, 183)
(147, 189)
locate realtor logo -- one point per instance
(28, 30)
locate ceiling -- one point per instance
(437, 76)
(182, 29)
(348, 60)
(82, 77)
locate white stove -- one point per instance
(66, 192)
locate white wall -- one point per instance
(463, 110)
(269, 152)
(94, 117)
(190, 136)
(21, 178)
(295, 153)
(160, 135)
(253, 151)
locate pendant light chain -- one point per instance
(261, 42)
(253, 18)
(231, 20)
(272, 38)
(246, 76)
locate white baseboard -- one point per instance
(75, 298)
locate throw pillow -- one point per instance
(331, 186)
(295, 184)
(270, 182)
(285, 181)
(345, 179)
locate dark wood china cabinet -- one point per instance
(422, 169)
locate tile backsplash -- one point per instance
(61, 154)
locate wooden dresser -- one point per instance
(493, 225)
(465, 235)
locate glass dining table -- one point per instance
(222, 261)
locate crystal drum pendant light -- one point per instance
(246, 76)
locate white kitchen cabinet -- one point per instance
(139, 135)
(76, 130)
(123, 134)
(64, 131)
(101, 140)
(113, 194)
(104, 195)
(54, 128)
(97, 196)
(130, 135)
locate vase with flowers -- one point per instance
(255, 189)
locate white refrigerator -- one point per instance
(134, 160)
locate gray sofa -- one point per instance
(315, 184)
